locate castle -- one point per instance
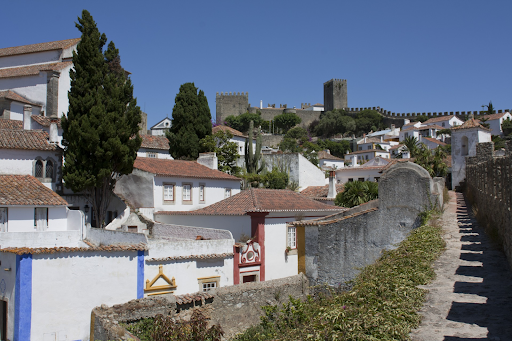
(335, 97)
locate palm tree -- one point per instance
(411, 143)
(357, 193)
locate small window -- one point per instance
(208, 283)
(350, 179)
(3, 219)
(152, 155)
(186, 192)
(132, 229)
(369, 147)
(443, 124)
(201, 193)
(38, 172)
(292, 237)
(360, 179)
(41, 218)
(168, 192)
(227, 192)
(49, 169)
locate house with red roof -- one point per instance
(445, 122)
(154, 146)
(259, 220)
(496, 120)
(174, 185)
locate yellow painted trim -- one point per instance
(203, 278)
(301, 248)
(171, 283)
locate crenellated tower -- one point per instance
(231, 103)
(335, 94)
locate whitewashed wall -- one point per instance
(16, 161)
(214, 192)
(21, 219)
(309, 174)
(162, 154)
(332, 163)
(30, 87)
(30, 58)
(67, 286)
(64, 87)
(188, 271)
(235, 224)
(42, 239)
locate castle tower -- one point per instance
(230, 104)
(335, 94)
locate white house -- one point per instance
(29, 152)
(258, 219)
(328, 161)
(370, 171)
(40, 74)
(431, 143)
(363, 156)
(446, 122)
(154, 146)
(238, 137)
(496, 120)
(464, 140)
(161, 127)
(174, 185)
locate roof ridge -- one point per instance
(254, 200)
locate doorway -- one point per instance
(3, 320)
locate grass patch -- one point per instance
(382, 304)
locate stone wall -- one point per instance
(489, 189)
(235, 308)
(337, 246)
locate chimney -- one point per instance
(261, 104)
(392, 128)
(406, 154)
(364, 135)
(381, 138)
(332, 185)
(354, 160)
(209, 160)
(27, 117)
(54, 131)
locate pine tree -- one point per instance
(100, 133)
(191, 122)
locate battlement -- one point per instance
(335, 80)
(245, 94)
(428, 114)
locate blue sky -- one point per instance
(404, 56)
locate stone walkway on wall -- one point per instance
(471, 297)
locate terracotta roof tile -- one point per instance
(45, 121)
(260, 200)
(333, 218)
(438, 119)
(11, 124)
(495, 116)
(396, 147)
(180, 168)
(27, 190)
(58, 249)
(360, 168)
(226, 129)
(471, 123)
(154, 142)
(320, 191)
(53, 45)
(25, 139)
(370, 140)
(432, 126)
(32, 69)
(13, 96)
(323, 155)
(411, 128)
(436, 141)
(206, 256)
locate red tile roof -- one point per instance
(53, 45)
(471, 123)
(204, 256)
(432, 126)
(396, 146)
(25, 139)
(180, 168)
(27, 190)
(367, 151)
(154, 142)
(438, 119)
(45, 121)
(323, 155)
(13, 96)
(11, 124)
(495, 116)
(370, 140)
(58, 249)
(260, 200)
(320, 191)
(32, 69)
(436, 141)
(411, 128)
(226, 129)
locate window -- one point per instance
(350, 179)
(168, 192)
(201, 193)
(377, 179)
(3, 219)
(369, 147)
(38, 173)
(186, 192)
(208, 283)
(292, 237)
(227, 192)
(250, 276)
(49, 169)
(41, 218)
(360, 179)
(443, 124)
(464, 146)
(152, 155)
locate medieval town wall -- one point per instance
(235, 308)
(489, 189)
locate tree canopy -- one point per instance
(356, 193)
(335, 122)
(226, 150)
(286, 121)
(101, 130)
(241, 122)
(191, 122)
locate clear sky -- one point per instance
(404, 56)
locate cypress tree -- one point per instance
(100, 133)
(191, 122)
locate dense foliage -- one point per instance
(226, 150)
(286, 121)
(356, 193)
(506, 126)
(241, 122)
(191, 122)
(340, 122)
(382, 304)
(101, 130)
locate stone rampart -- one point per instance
(489, 189)
(235, 308)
